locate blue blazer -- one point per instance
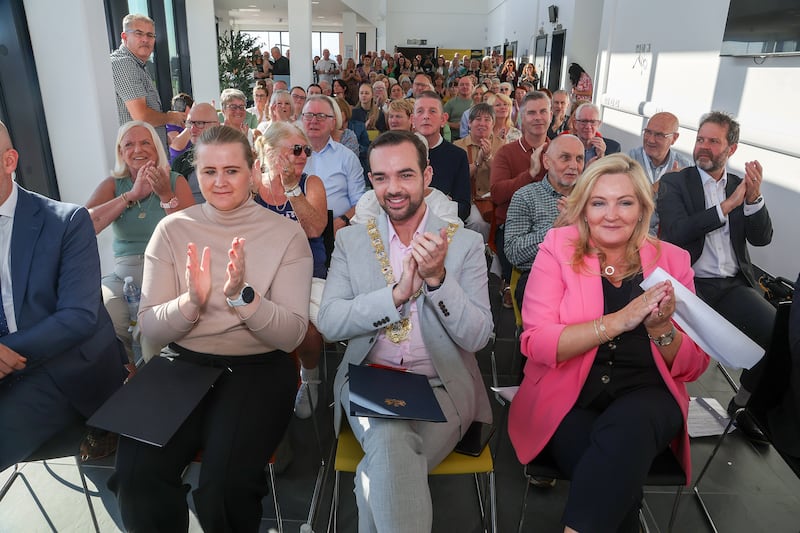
(62, 325)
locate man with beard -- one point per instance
(534, 207)
(714, 215)
(408, 291)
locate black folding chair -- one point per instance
(66, 443)
(665, 471)
(768, 394)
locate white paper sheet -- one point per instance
(507, 393)
(706, 417)
(716, 336)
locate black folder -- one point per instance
(384, 393)
(154, 403)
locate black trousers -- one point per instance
(499, 242)
(607, 455)
(237, 426)
(744, 307)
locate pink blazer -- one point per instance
(557, 296)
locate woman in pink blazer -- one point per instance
(604, 383)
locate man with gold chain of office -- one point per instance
(409, 291)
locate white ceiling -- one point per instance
(273, 14)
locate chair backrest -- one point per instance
(775, 383)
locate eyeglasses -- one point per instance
(297, 149)
(299, 96)
(200, 124)
(588, 122)
(656, 134)
(235, 107)
(319, 116)
(141, 35)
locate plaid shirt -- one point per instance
(531, 214)
(131, 81)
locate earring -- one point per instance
(586, 220)
(640, 219)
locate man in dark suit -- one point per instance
(59, 356)
(587, 124)
(714, 215)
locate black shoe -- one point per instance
(745, 423)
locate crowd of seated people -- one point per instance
(591, 219)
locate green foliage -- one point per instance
(234, 50)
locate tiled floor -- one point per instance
(748, 490)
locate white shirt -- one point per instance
(7, 211)
(718, 259)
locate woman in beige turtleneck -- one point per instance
(226, 284)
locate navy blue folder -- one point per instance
(154, 403)
(384, 393)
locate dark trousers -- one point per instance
(499, 242)
(607, 455)
(32, 410)
(519, 291)
(744, 307)
(237, 426)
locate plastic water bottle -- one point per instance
(132, 296)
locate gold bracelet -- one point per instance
(603, 330)
(124, 197)
(596, 332)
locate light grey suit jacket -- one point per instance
(455, 319)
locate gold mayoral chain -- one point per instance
(398, 331)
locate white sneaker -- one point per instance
(307, 395)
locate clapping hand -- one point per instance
(235, 270)
(198, 275)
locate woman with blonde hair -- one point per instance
(604, 383)
(285, 189)
(139, 193)
(504, 128)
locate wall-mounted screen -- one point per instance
(762, 28)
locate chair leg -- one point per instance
(481, 504)
(705, 469)
(10, 481)
(675, 506)
(493, 502)
(728, 377)
(524, 502)
(334, 504)
(278, 517)
(86, 493)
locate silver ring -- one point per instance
(660, 314)
(645, 298)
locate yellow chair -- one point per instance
(373, 134)
(515, 275)
(349, 454)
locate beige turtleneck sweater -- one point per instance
(278, 266)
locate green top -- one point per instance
(133, 228)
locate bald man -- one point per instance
(59, 356)
(201, 117)
(656, 154)
(535, 207)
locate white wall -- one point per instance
(444, 23)
(683, 73)
(202, 36)
(78, 96)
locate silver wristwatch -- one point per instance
(294, 191)
(665, 339)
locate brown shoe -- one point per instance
(507, 302)
(97, 444)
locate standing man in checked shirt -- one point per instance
(534, 207)
(137, 98)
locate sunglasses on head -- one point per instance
(298, 148)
